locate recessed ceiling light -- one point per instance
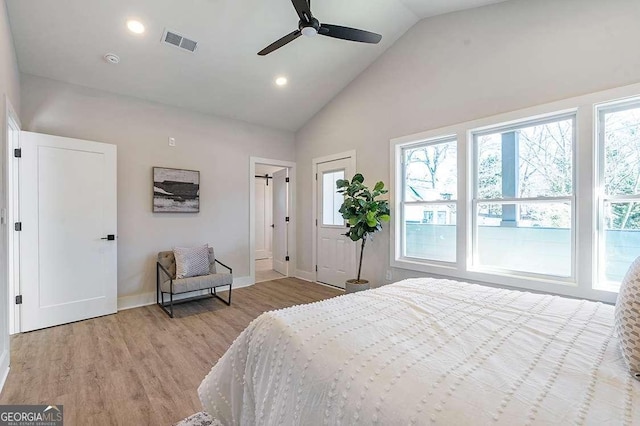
(135, 27)
(281, 81)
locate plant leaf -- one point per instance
(357, 178)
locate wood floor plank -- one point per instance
(139, 366)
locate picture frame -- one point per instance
(176, 190)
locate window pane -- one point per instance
(537, 240)
(430, 232)
(489, 167)
(622, 151)
(528, 162)
(331, 199)
(431, 172)
(622, 238)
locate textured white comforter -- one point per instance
(427, 351)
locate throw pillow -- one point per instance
(191, 261)
(627, 318)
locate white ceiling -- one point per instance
(66, 40)
(426, 8)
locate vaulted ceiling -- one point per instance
(66, 40)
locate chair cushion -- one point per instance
(184, 285)
(627, 318)
(191, 261)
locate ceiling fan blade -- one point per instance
(303, 9)
(352, 34)
(279, 43)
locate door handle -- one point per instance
(109, 237)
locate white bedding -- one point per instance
(427, 351)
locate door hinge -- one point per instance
(17, 152)
(286, 219)
(316, 222)
(286, 258)
(286, 180)
(316, 268)
(17, 226)
(19, 299)
(316, 176)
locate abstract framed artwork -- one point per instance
(176, 190)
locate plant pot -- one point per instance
(353, 286)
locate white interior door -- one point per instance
(264, 222)
(68, 266)
(280, 229)
(336, 253)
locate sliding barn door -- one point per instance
(68, 251)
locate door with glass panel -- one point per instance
(336, 253)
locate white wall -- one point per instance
(218, 148)
(9, 86)
(463, 66)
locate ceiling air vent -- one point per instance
(174, 39)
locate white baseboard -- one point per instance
(145, 299)
(304, 275)
(4, 368)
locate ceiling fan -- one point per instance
(310, 26)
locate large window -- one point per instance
(429, 197)
(546, 198)
(523, 202)
(619, 160)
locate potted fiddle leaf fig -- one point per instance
(364, 213)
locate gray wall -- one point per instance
(463, 66)
(9, 86)
(218, 148)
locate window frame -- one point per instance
(600, 110)
(587, 215)
(504, 128)
(403, 191)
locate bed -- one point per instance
(427, 351)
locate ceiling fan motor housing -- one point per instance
(310, 28)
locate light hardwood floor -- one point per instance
(139, 367)
(265, 272)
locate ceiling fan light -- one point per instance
(309, 31)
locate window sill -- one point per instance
(563, 287)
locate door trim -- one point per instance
(13, 208)
(314, 173)
(291, 165)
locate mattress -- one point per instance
(427, 351)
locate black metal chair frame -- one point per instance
(160, 294)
